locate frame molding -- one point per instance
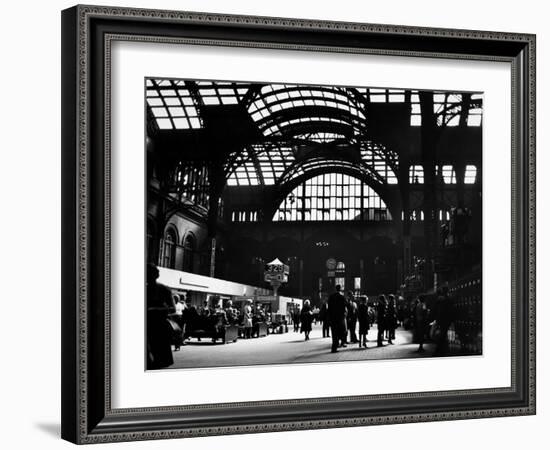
(87, 34)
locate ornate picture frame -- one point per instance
(88, 33)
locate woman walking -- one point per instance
(306, 319)
(247, 319)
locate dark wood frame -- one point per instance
(87, 416)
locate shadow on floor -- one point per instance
(53, 429)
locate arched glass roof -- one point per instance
(276, 164)
(332, 105)
(176, 104)
(301, 128)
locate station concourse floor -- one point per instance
(292, 348)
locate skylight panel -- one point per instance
(453, 121)
(176, 111)
(474, 120)
(396, 98)
(187, 101)
(164, 124)
(211, 100)
(154, 102)
(378, 98)
(181, 123)
(160, 112)
(230, 100)
(454, 98)
(416, 120)
(340, 97)
(474, 117)
(171, 101)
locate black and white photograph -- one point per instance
(297, 223)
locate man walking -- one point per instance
(337, 318)
(323, 317)
(381, 318)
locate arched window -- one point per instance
(169, 250)
(340, 275)
(470, 174)
(188, 253)
(416, 174)
(332, 197)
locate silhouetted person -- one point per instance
(159, 305)
(230, 312)
(351, 318)
(247, 319)
(337, 317)
(420, 322)
(381, 318)
(391, 318)
(323, 317)
(306, 319)
(363, 318)
(296, 318)
(180, 306)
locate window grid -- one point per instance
(221, 93)
(169, 250)
(244, 216)
(447, 173)
(383, 95)
(417, 215)
(447, 107)
(416, 174)
(191, 183)
(272, 161)
(332, 197)
(377, 161)
(172, 105)
(470, 174)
